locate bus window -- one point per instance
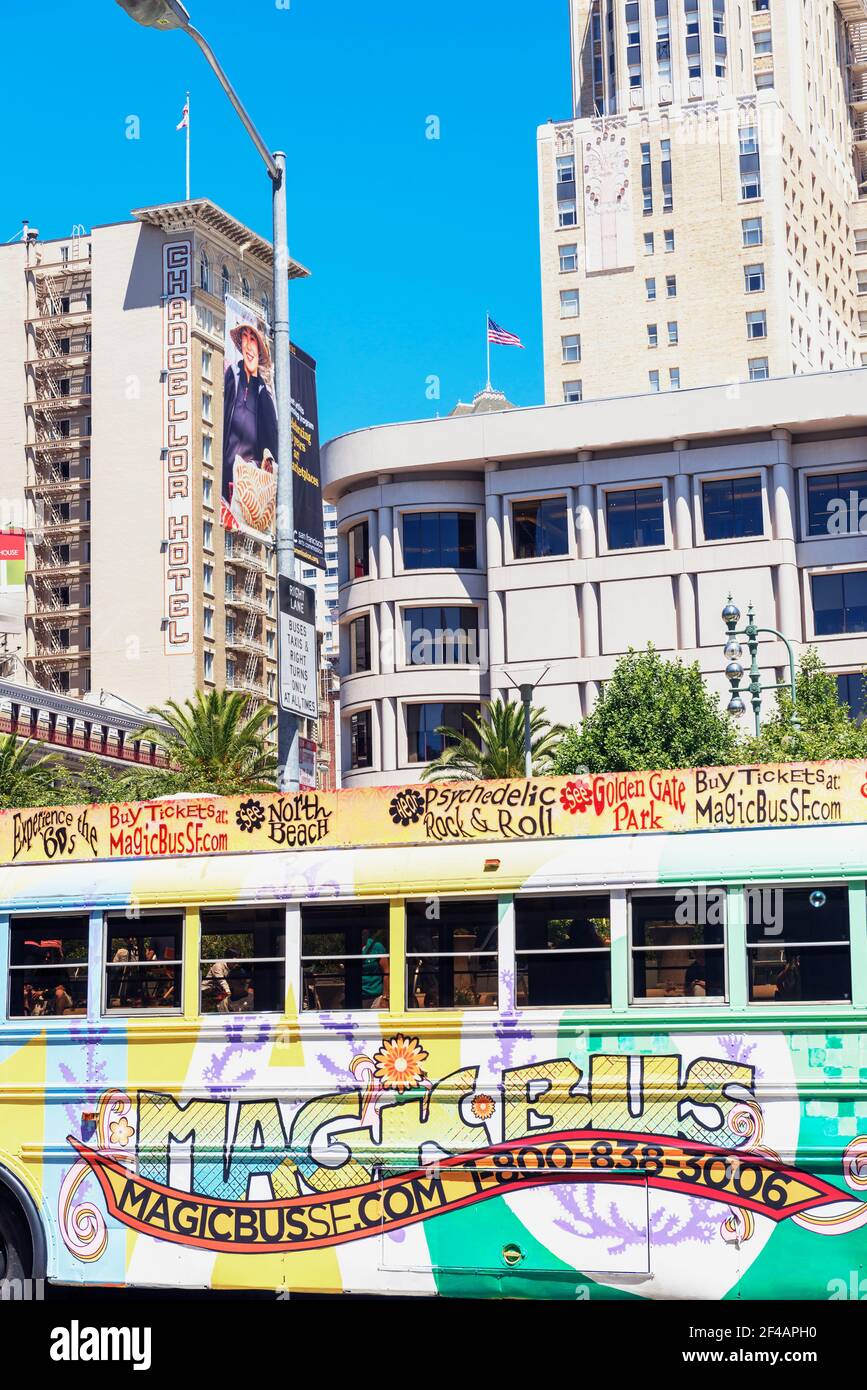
(798, 943)
(451, 953)
(243, 962)
(563, 950)
(344, 955)
(678, 949)
(47, 966)
(143, 962)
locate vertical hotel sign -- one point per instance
(178, 447)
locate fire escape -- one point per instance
(248, 659)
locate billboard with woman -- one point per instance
(249, 485)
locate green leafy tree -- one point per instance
(93, 780)
(213, 745)
(652, 713)
(25, 778)
(495, 749)
(825, 727)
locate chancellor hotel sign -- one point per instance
(178, 447)
(536, 808)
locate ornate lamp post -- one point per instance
(733, 651)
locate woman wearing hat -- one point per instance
(249, 431)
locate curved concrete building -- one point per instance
(500, 546)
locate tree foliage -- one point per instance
(26, 778)
(214, 745)
(824, 727)
(496, 747)
(652, 713)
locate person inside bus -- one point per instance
(62, 1001)
(374, 970)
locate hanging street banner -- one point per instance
(296, 639)
(788, 795)
(249, 477)
(306, 472)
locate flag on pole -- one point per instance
(496, 334)
(184, 122)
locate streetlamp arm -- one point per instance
(270, 163)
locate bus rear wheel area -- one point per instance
(16, 1247)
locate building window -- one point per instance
(572, 392)
(439, 540)
(567, 215)
(646, 180)
(207, 407)
(266, 306)
(539, 528)
(663, 41)
(654, 380)
(650, 287)
(143, 962)
(358, 551)
(732, 508)
(678, 946)
(674, 378)
(569, 304)
(568, 258)
(208, 534)
(359, 645)
(652, 335)
(566, 168)
(861, 278)
(562, 950)
(720, 43)
(851, 692)
(648, 243)
(344, 956)
(451, 958)
(208, 621)
(798, 943)
(360, 739)
(242, 968)
(208, 491)
(669, 239)
(633, 42)
(750, 167)
(209, 664)
(693, 37)
(665, 169)
(671, 286)
(762, 42)
(207, 361)
(245, 289)
(227, 281)
(571, 347)
(754, 278)
(48, 965)
(839, 603)
(204, 271)
(423, 741)
(208, 578)
(672, 333)
(825, 494)
(759, 370)
(635, 518)
(757, 324)
(441, 636)
(752, 231)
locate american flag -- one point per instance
(496, 334)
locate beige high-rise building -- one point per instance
(704, 213)
(111, 369)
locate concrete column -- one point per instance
(388, 733)
(496, 628)
(373, 541)
(683, 538)
(687, 613)
(387, 639)
(591, 696)
(784, 513)
(386, 552)
(589, 614)
(493, 520)
(585, 521)
(682, 527)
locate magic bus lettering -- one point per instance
(151, 840)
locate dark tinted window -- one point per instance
(563, 950)
(678, 946)
(344, 956)
(48, 966)
(539, 528)
(635, 518)
(243, 965)
(357, 551)
(360, 739)
(143, 961)
(439, 540)
(732, 507)
(441, 636)
(827, 489)
(850, 691)
(451, 953)
(840, 602)
(423, 741)
(798, 943)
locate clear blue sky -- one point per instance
(409, 240)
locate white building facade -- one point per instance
(479, 552)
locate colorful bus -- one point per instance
(597, 1037)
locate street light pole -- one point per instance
(731, 616)
(171, 14)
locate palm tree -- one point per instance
(213, 745)
(495, 749)
(25, 780)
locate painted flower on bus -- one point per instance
(399, 1063)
